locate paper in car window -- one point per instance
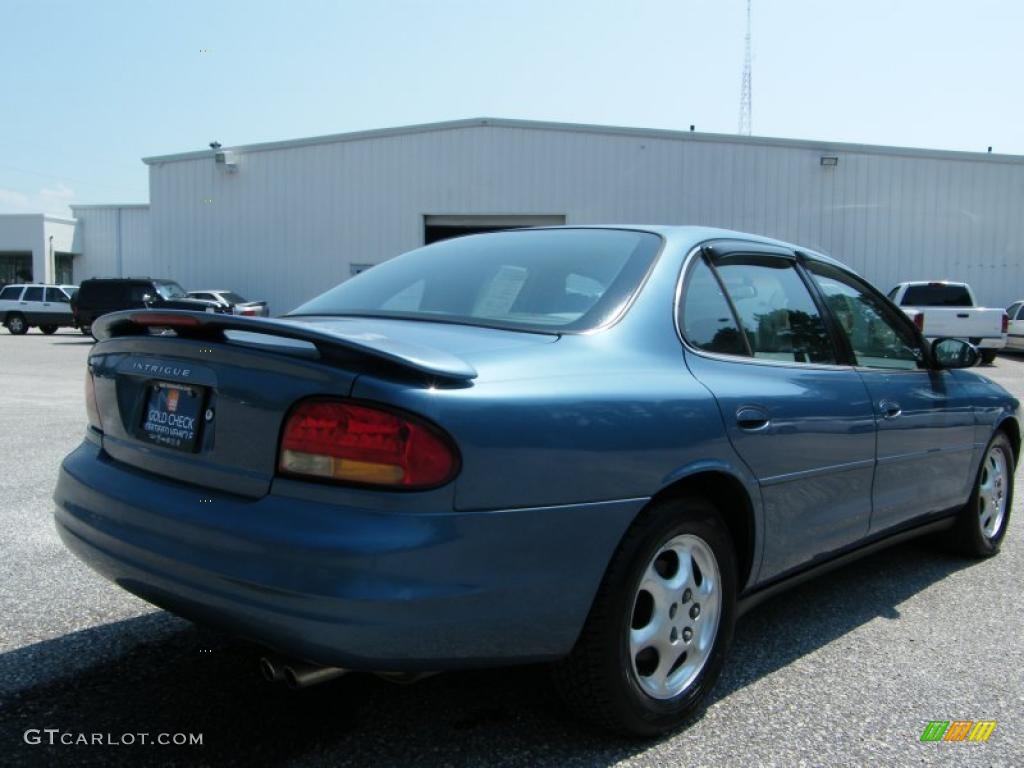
(501, 292)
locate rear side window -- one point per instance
(775, 310)
(543, 280)
(35, 293)
(100, 293)
(706, 319)
(937, 295)
(10, 293)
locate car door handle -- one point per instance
(962, 314)
(752, 418)
(890, 409)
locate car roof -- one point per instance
(39, 285)
(142, 279)
(699, 234)
(933, 282)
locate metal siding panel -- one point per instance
(290, 221)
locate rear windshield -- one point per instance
(542, 280)
(233, 298)
(937, 296)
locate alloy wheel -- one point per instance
(992, 492)
(675, 617)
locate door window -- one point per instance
(775, 310)
(1020, 313)
(878, 338)
(57, 296)
(34, 293)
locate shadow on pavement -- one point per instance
(168, 676)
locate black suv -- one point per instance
(109, 294)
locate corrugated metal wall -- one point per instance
(289, 222)
(96, 239)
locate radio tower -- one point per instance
(745, 95)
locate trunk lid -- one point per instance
(232, 380)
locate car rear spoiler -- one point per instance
(209, 326)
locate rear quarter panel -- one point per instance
(563, 424)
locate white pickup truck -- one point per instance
(943, 309)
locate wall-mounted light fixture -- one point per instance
(829, 161)
(226, 160)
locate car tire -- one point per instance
(988, 356)
(49, 330)
(982, 523)
(86, 329)
(16, 324)
(621, 674)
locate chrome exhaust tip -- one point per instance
(271, 669)
(302, 675)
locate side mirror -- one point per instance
(954, 353)
(148, 298)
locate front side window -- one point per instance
(540, 280)
(878, 338)
(775, 309)
(170, 290)
(56, 296)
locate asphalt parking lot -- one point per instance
(846, 670)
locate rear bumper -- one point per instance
(349, 587)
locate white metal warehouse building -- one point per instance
(283, 221)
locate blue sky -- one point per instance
(88, 88)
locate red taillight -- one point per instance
(919, 321)
(91, 408)
(247, 312)
(360, 444)
(151, 319)
(1006, 323)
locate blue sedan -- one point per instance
(595, 446)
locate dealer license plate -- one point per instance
(172, 416)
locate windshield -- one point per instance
(171, 290)
(544, 280)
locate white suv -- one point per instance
(48, 307)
